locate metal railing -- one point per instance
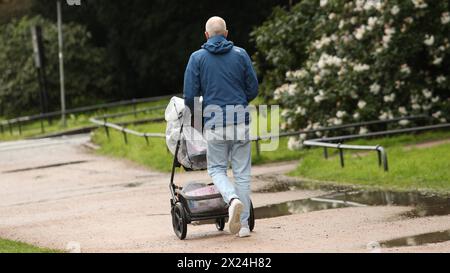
(8, 125)
(335, 128)
(382, 155)
(125, 131)
(326, 143)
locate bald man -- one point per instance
(223, 75)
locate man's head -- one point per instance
(215, 26)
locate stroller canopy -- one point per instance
(192, 152)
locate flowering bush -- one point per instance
(362, 60)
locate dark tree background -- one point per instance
(149, 41)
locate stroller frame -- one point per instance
(180, 212)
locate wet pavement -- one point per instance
(418, 240)
(423, 204)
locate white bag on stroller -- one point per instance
(192, 151)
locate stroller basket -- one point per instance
(201, 199)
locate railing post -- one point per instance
(258, 151)
(125, 138)
(341, 155)
(134, 108)
(10, 128)
(107, 132)
(146, 140)
(383, 158)
(42, 126)
(325, 152)
(20, 127)
(2, 129)
(379, 156)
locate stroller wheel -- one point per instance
(220, 224)
(179, 221)
(251, 219)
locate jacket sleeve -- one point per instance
(191, 83)
(251, 80)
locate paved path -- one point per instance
(54, 191)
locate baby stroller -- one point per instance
(195, 201)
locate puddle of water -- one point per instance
(418, 240)
(296, 207)
(424, 205)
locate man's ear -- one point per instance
(226, 33)
(206, 35)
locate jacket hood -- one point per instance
(218, 45)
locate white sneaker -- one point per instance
(244, 232)
(234, 216)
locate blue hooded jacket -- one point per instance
(223, 74)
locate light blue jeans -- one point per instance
(234, 147)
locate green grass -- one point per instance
(410, 169)
(425, 169)
(76, 121)
(8, 246)
(156, 156)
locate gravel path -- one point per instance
(56, 191)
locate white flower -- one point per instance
(426, 107)
(337, 121)
(356, 115)
(403, 122)
(427, 93)
(340, 114)
(405, 69)
(371, 22)
(429, 40)
(383, 116)
(363, 130)
(341, 24)
(279, 91)
(298, 74)
(362, 104)
(361, 67)
(301, 110)
(395, 10)
(324, 41)
(292, 90)
(441, 79)
(402, 110)
(443, 120)
(375, 88)
(370, 4)
(323, 3)
(359, 32)
(303, 136)
(319, 98)
(331, 16)
(409, 20)
(317, 79)
(389, 98)
(353, 20)
(359, 5)
(445, 18)
(435, 99)
(419, 4)
(388, 33)
(437, 61)
(437, 114)
(294, 144)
